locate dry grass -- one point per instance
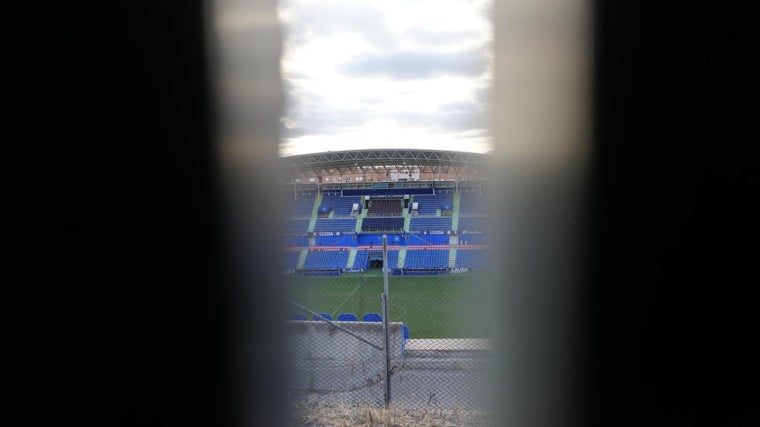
(313, 415)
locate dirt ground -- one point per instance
(313, 415)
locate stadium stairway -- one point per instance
(407, 220)
(455, 211)
(401, 257)
(351, 258)
(302, 258)
(360, 219)
(452, 256)
(315, 212)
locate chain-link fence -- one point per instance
(429, 350)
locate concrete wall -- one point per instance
(331, 366)
(329, 362)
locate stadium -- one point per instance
(430, 205)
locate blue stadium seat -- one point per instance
(341, 205)
(360, 261)
(427, 258)
(372, 317)
(472, 223)
(339, 224)
(347, 317)
(383, 224)
(405, 330)
(430, 203)
(301, 207)
(317, 259)
(297, 317)
(472, 258)
(430, 223)
(327, 316)
(470, 203)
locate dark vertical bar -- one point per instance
(246, 127)
(541, 134)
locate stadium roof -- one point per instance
(353, 161)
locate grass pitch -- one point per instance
(432, 306)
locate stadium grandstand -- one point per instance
(431, 204)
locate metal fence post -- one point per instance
(387, 359)
(385, 264)
(385, 323)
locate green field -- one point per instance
(432, 306)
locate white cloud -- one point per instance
(417, 64)
(391, 74)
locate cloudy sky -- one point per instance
(386, 74)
